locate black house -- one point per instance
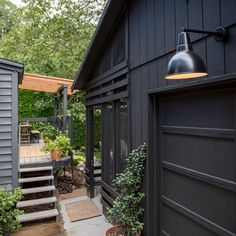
(189, 125)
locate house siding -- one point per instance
(8, 129)
(153, 31)
(153, 28)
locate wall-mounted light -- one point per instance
(186, 64)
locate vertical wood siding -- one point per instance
(153, 29)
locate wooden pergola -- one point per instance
(44, 83)
(60, 87)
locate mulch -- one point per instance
(67, 183)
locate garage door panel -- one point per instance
(196, 149)
(211, 202)
(176, 224)
(208, 110)
(199, 153)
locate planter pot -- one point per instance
(40, 137)
(55, 154)
(114, 231)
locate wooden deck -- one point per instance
(33, 154)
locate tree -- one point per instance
(8, 16)
(50, 38)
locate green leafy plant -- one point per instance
(61, 143)
(50, 146)
(8, 212)
(79, 158)
(49, 131)
(126, 210)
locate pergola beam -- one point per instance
(45, 83)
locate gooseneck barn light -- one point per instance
(186, 64)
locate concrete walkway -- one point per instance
(91, 227)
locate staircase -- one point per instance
(37, 181)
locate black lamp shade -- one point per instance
(185, 64)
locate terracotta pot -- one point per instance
(113, 231)
(55, 154)
(41, 137)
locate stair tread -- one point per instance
(35, 202)
(38, 189)
(38, 215)
(35, 179)
(41, 168)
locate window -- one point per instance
(124, 130)
(108, 143)
(115, 138)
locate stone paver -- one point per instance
(91, 227)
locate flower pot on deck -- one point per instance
(114, 231)
(55, 155)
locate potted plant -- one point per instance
(60, 147)
(63, 144)
(49, 131)
(126, 211)
(8, 212)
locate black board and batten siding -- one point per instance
(107, 90)
(10, 75)
(189, 125)
(153, 29)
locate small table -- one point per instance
(35, 136)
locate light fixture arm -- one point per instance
(221, 34)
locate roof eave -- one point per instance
(105, 25)
(16, 66)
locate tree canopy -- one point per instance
(49, 38)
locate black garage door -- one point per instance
(198, 162)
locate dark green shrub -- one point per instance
(8, 212)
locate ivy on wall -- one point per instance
(34, 104)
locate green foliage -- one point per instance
(61, 143)
(34, 104)
(126, 210)
(49, 38)
(8, 212)
(79, 158)
(76, 108)
(97, 154)
(49, 131)
(8, 19)
(38, 125)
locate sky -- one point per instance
(16, 2)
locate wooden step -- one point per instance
(34, 169)
(36, 202)
(35, 179)
(38, 215)
(38, 190)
